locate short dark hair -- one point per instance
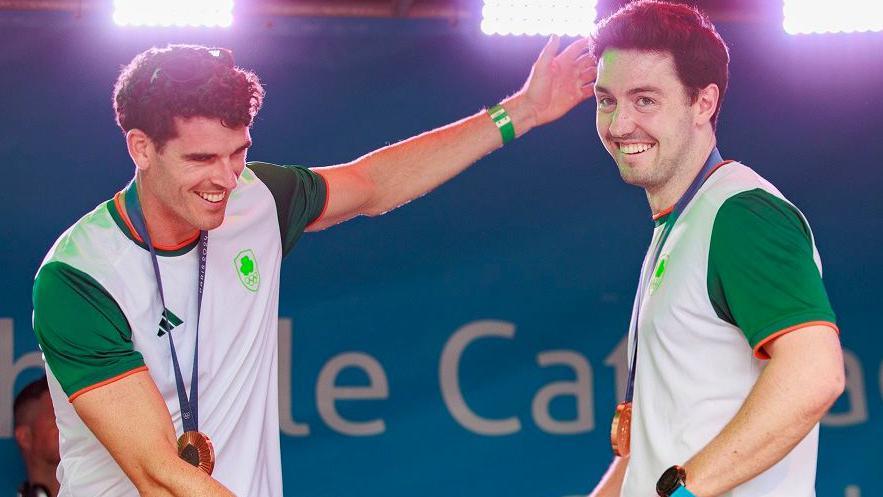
(30, 393)
(184, 81)
(700, 54)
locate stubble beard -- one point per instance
(650, 179)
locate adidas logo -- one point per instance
(168, 322)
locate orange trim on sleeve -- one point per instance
(327, 200)
(121, 208)
(761, 354)
(105, 382)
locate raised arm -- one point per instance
(130, 418)
(392, 176)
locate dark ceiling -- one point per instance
(718, 10)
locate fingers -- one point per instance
(576, 49)
(588, 74)
(549, 51)
(587, 79)
(585, 62)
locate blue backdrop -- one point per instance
(480, 325)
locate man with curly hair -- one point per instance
(733, 348)
(194, 244)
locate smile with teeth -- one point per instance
(212, 197)
(635, 148)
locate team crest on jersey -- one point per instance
(658, 274)
(246, 265)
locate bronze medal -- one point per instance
(196, 448)
(621, 429)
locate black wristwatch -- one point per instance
(671, 480)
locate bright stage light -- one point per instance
(825, 16)
(538, 17)
(173, 12)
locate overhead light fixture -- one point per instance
(538, 17)
(168, 13)
(825, 16)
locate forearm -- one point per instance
(611, 483)
(392, 176)
(788, 399)
(157, 471)
(406, 170)
(177, 478)
(145, 450)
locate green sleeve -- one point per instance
(761, 273)
(300, 196)
(84, 335)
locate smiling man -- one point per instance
(733, 348)
(193, 245)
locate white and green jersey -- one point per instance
(98, 318)
(739, 269)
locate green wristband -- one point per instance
(503, 121)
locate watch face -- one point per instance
(670, 480)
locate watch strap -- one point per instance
(682, 491)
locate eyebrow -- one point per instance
(244, 147)
(202, 156)
(633, 91)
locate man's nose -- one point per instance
(621, 123)
(227, 174)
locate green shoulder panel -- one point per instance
(84, 335)
(300, 196)
(761, 273)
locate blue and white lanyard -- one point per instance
(713, 160)
(189, 407)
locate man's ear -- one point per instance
(706, 103)
(23, 437)
(140, 148)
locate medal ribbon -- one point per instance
(189, 407)
(714, 159)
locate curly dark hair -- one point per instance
(700, 54)
(184, 81)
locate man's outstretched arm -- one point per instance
(392, 176)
